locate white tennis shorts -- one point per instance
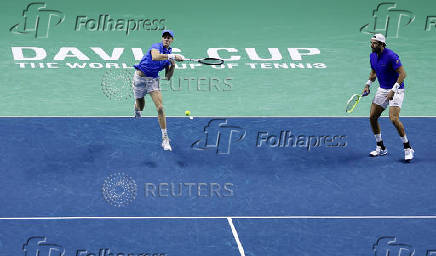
(380, 98)
(143, 85)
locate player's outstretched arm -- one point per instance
(169, 70)
(156, 55)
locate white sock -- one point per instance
(378, 137)
(404, 139)
(164, 133)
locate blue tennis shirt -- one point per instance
(151, 67)
(385, 66)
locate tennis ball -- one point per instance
(187, 113)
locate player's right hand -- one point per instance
(178, 57)
(365, 91)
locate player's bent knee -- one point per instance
(160, 109)
(394, 119)
(373, 117)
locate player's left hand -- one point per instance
(390, 95)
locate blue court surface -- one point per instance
(231, 186)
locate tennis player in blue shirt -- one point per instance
(387, 68)
(146, 79)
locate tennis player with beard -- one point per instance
(146, 79)
(387, 68)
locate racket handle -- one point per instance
(191, 59)
(366, 93)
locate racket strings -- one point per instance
(352, 103)
(211, 61)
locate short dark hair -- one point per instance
(166, 34)
(384, 44)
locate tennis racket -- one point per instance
(353, 101)
(116, 84)
(207, 61)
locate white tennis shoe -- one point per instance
(378, 152)
(166, 143)
(408, 154)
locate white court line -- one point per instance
(218, 217)
(235, 235)
(181, 116)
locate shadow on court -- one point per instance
(218, 167)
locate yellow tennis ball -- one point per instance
(187, 113)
